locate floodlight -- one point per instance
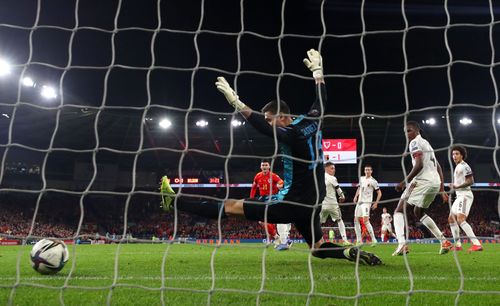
(430, 121)
(28, 82)
(498, 120)
(201, 123)
(236, 123)
(465, 121)
(165, 123)
(48, 92)
(4, 67)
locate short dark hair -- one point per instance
(414, 124)
(329, 163)
(461, 149)
(264, 160)
(368, 166)
(273, 107)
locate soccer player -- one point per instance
(462, 180)
(426, 181)
(269, 184)
(386, 220)
(304, 184)
(330, 206)
(363, 199)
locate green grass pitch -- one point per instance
(183, 274)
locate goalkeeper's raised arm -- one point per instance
(277, 118)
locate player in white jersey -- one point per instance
(386, 220)
(462, 180)
(330, 206)
(363, 199)
(426, 181)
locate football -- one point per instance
(49, 256)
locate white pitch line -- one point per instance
(243, 278)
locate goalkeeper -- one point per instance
(304, 186)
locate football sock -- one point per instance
(431, 225)
(357, 229)
(342, 229)
(455, 231)
(369, 227)
(399, 227)
(206, 208)
(470, 233)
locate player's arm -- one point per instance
(379, 196)
(340, 193)
(314, 62)
(355, 199)
(254, 188)
(277, 181)
(469, 181)
(444, 195)
(257, 120)
(417, 167)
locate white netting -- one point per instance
(118, 67)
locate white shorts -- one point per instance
(362, 210)
(386, 228)
(420, 194)
(330, 210)
(462, 204)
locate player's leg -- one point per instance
(452, 220)
(283, 232)
(324, 249)
(369, 227)
(357, 225)
(336, 215)
(382, 232)
(399, 225)
(462, 213)
(433, 228)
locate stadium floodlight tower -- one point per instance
(5, 67)
(165, 123)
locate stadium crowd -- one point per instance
(146, 220)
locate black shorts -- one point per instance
(305, 218)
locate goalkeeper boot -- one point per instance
(366, 258)
(475, 248)
(445, 247)
(167, 193)
(282, 247)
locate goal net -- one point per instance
(99, 100)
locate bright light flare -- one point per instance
(5, 68)
(465, 121)
(201, 123)
(236, 123)
(430, 121)
(48, 92)
(28, 82)
(165, 123)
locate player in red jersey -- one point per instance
(269, 184)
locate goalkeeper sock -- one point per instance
(331, 250)
(470, 233)
(206, 208)
(455, 231)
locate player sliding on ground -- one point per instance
(304, 186)
(426, 181)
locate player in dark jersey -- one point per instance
(303, 172)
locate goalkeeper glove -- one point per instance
(315, 63)
(231, 96)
